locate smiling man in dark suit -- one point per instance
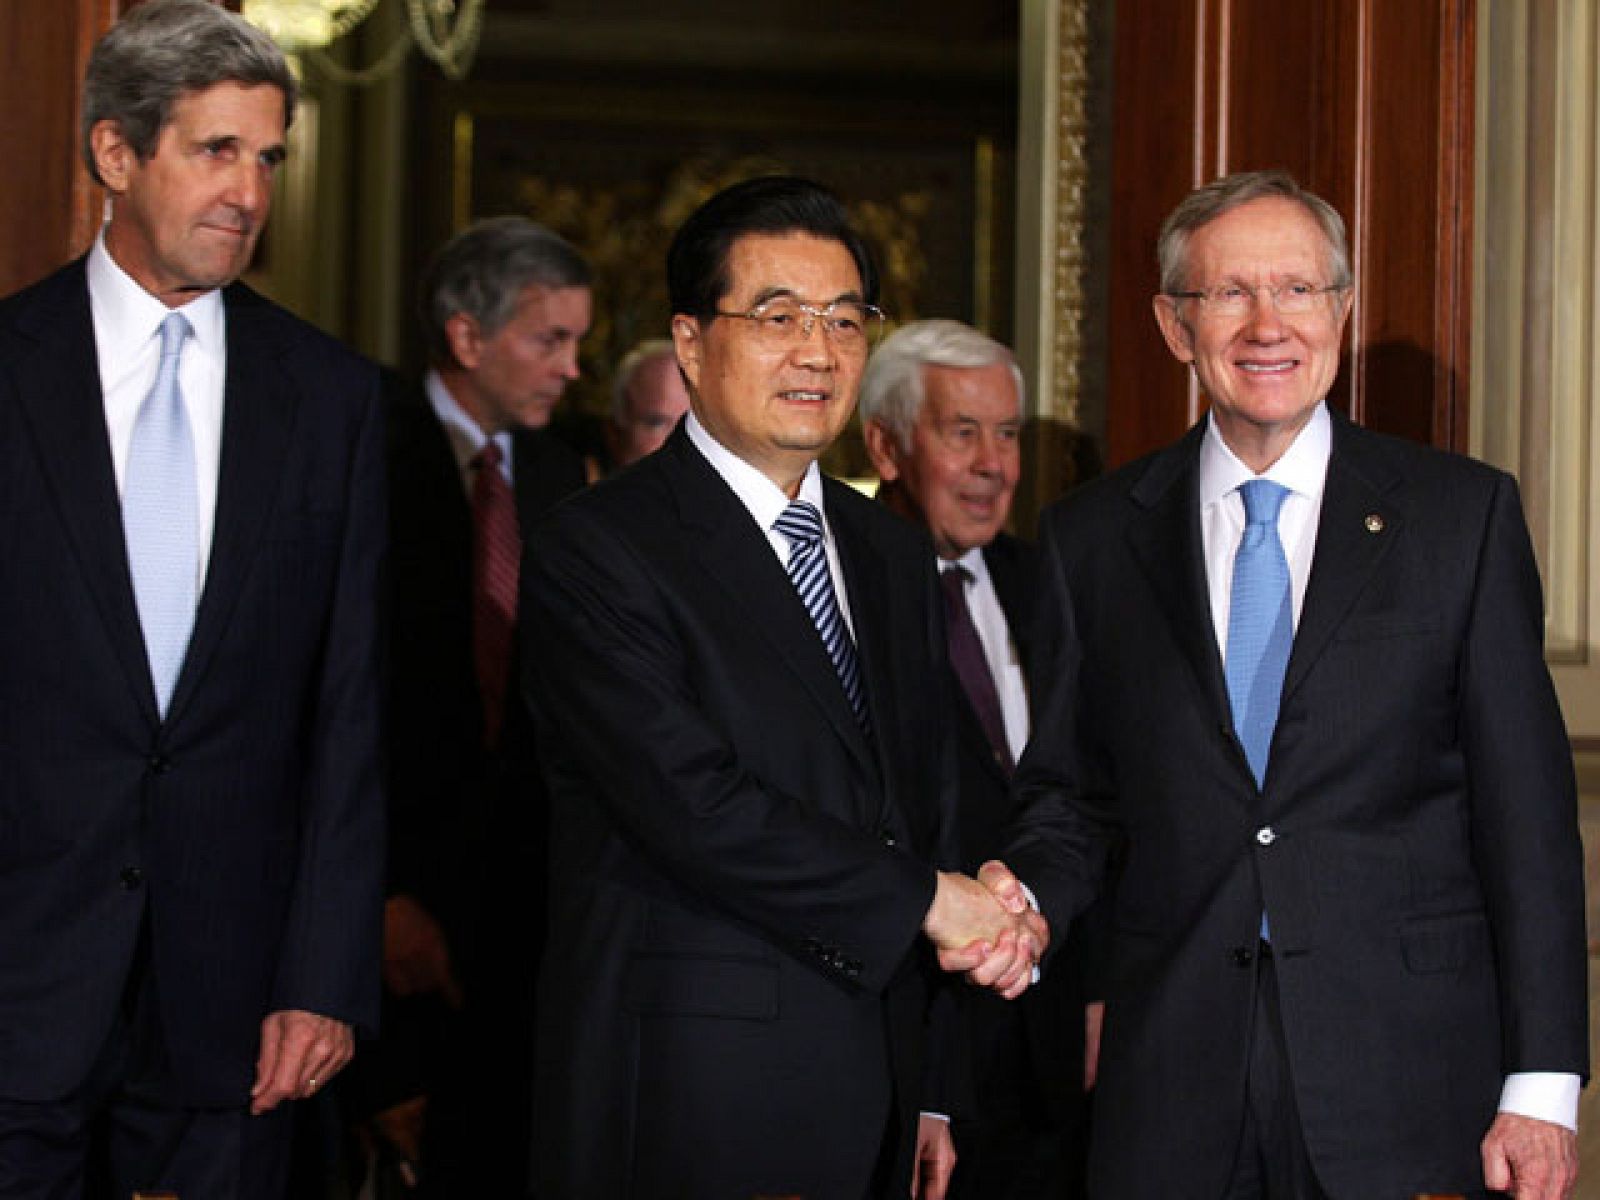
(737, 668)
(941, 411)
(1297, 665)
(191, 818)
(505, 304)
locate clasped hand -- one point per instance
(986, 929)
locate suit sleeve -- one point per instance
(328, 963)
(609, 675)
(1066, 826)
(1524, 805)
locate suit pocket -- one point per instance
(1368, 627)
(671, 985)
(1434, 945)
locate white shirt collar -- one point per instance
(127, 318)
(466, 438)
(764, 499)
(972, 560)
(1303, 467)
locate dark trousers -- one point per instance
(121, 1131)
(1272, 1162)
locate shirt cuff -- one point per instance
(1546, 1095)
(937, 1116)
(1033, 903)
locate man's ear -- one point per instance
(466, 340)
(113, 156)
(1180, 338)
(688, 342)
(883, 448)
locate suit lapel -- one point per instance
(1358, 488)
(1167, 544)
(59, 391)
(260, 403)
(737, 557)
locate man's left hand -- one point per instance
(936, 1159)
(300, 1052)
(1530, 1159)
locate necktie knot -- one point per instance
(173, 332)
(801, 524)
(955, 578)
(490, 457)
(1262, 500)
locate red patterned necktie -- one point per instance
(496, 560)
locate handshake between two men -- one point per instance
(987, 929)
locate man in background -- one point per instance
(504, 306)
(191, 813)
(941, 410)
(648, 399)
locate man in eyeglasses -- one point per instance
(737, 670)
(1298, 666)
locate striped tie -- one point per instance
(160, 517)
(801, 526)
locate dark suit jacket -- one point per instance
(1027, 1053)
(735, 987)
(1415, 844)
(453, 800)
(467, 828)
(248, 826)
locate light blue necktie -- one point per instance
(160, 516)
(1260, 624)
(801, 525)
(1260, 629)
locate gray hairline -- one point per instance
(635, 358)
(483, 271)
(894, 385)
(1221, 196)
(165, 50)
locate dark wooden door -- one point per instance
(1368, 103)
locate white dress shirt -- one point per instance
(466, 439)
(766, 501)
(1303, 469)
(127, 340)
(999, 650)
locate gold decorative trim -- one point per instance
(1071, 205)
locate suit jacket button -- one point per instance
(1266, 836)
(132, 877)
(1242, 956)
(159, 764)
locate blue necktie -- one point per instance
(1260, 624)
(801, 526)
(160, 517)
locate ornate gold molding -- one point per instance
(1071, 210)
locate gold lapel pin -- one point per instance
(1374, 523)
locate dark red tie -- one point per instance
(496, 560)
(971, 667)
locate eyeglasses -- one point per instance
(784, 321)
(1292, 299)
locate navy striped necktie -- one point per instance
(801, 526)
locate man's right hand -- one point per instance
(996, 944)
(416, 956)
